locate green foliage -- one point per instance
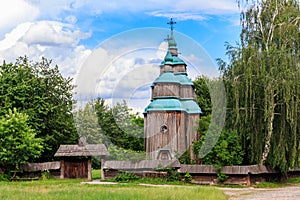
(227, 151)
(86, 123)
(45, 175)
(4, 177)
(18, 140)
(121, 128)
(202, 95)
(125, 177)
(188, 178)
(185, 158)
(222, 177)
(40, 91)
(172, 175)
(262, 81)
(118, 153)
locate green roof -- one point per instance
(170, 77)
(171, 41)
(184, 80)
(172, 104)
(164, 105)
(167, 77)
(190, 106)
(172, 60)
(168, 57)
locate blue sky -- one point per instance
(70, 32)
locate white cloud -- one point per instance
(178, 16)
(49, 39)
(14, 12)
(51, 33)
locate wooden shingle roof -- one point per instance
(40, 166)
(248, 169)
(203, 169)
(233, 170)
(82, 150)
(140, 165)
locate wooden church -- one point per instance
(170, 119)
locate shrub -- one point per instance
(4, 177)
(222, 177)
(172, 175)
(188, 178)
(45, 175)
(125, 177)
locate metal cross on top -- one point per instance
(171, 24)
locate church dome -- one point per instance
(172, 42)
(168, 57)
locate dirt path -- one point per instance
(284, 193)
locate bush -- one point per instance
(188, 178)
(172, 175)
(45, 175)
(125, 177)
(222, 177)
(4, 177)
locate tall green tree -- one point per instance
(40, 91)
(18, 140)
(87, 125)
(120, 128)
(262, 81)
(202, 94)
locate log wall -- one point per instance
(75, 168)
(179, 68)
(187, 91)
(165, 89)
(166, 68)
(156, 139)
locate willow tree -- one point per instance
(262, 81)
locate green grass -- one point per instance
(289, 181)
(72, 189)
(96, 174)
(293, 180)
(269, 185)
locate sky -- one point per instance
(113, 48)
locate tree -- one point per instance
(121, 128)
(262, 81)
(40, 91)
(87, 124)
(18, 140)
(226, 151)
(202, 94)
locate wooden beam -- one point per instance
(102, 171)
(89, 168)
(62, 169)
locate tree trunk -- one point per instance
(270, 120)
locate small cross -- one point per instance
(171, 24)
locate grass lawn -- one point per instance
(72, 189)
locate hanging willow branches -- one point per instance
(262, 82)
